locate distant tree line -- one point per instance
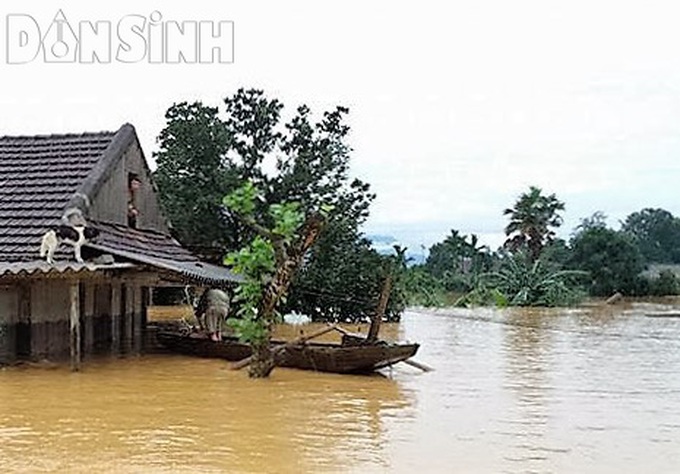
(533, 267)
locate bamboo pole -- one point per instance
(300, 340)
(418, 365)
(380, 311)
(74, 316)
(615, 298)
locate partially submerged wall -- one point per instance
(34, 318)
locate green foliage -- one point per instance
(342, 279)
(521, 281)
(611, 258)
(256, 262)
(666, 284)
(456, 262)
(287, 219)
(206, 153)
(423, 289)
(242, 200)
(531, 221)
(597, 220)
(255, 259)
(482, 295)
(192, 174)
(657, 234)
(556, 253)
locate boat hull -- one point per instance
(322, 357)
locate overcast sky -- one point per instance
(455, 107)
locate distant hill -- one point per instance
(384, 244)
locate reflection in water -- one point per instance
(587, 390)
(525, 346)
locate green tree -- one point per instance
(666, 284)
(611, 258)
(204, 154)
(457, 260)
(597, 220)
(521, 281)
(268, 264)
(532, 219)
(341, 280)
(657, 233)
(193, 171)
(422, 289)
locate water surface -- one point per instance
(587, 390)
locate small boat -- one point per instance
(663, 314)
(348, 357)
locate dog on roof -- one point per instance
(73, 235)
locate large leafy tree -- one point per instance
(457, 259)
(611, 258)
(532, 220)
(205, 154)
(192, 175)
(657, 233)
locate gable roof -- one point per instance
(42, 176)
(39, 175)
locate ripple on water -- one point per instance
(513, 391)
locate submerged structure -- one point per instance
(70, 309)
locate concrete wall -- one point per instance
(49, 318)
(34, 318)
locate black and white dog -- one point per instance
(73, 235)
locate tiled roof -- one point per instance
(117, 238)
(41, 176)
(158, 250)
(38, 177)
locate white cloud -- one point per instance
(456, 107)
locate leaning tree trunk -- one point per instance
(287, 262)
(262, 362)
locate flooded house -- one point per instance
(70, 309)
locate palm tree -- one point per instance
(531, 220)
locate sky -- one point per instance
(456, 107)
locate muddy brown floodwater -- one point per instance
(589, 390)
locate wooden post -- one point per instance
(74, 316)
(23, 326)
(88, 318)
(137, 319)
(115, 317)
(128, 315)
(380, 311)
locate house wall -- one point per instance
(9, 309)
(110, 203)
(49, 324)
(34, 318)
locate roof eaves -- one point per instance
(41, 267)
(197, 271)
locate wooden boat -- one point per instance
(663, 314)
(348, 357)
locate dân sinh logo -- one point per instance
(131, 39)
